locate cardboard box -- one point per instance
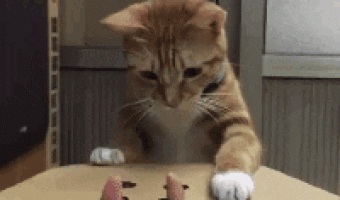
(83, 182)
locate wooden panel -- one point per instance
(64, 124)
(327, 137)
(313, 135)
(335, 139)
(90, 100)
(84, 57)
(266, 123)
(301, 129)
(280, 142)
(88, 124)
(292, 119)
(306, 90)
(321, 103)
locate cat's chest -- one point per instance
(176, 138)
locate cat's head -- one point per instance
(174, 48)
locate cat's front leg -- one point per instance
(131, 145)
(236, 162)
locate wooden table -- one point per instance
(82, 182)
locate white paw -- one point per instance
(107, 156)
(232, 186)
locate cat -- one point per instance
(184, 103)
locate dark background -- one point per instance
(23, 77)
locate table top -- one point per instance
(83, 182)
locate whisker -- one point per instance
(201, 106)
(215, 104)
(124, 123)
(219, 106)
(134, 103)
(218, 94)
(145, 113)
(223, 107)
(132, 52)
(209, 105)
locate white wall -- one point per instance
(303, 27)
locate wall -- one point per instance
(301, 129)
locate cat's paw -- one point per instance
(107, 156)
(232, 186)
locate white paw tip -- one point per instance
(107, 156)
(232, 185)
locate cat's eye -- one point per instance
(192, 72)
(149, 75)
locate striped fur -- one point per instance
(162, 39)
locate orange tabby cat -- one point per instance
(185, 104)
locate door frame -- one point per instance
(251, 51)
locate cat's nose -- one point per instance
(170, 94)
(172, 104)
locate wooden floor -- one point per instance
(24, 167)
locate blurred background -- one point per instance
(285, 53)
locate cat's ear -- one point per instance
(130, 20)
(209, 16)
